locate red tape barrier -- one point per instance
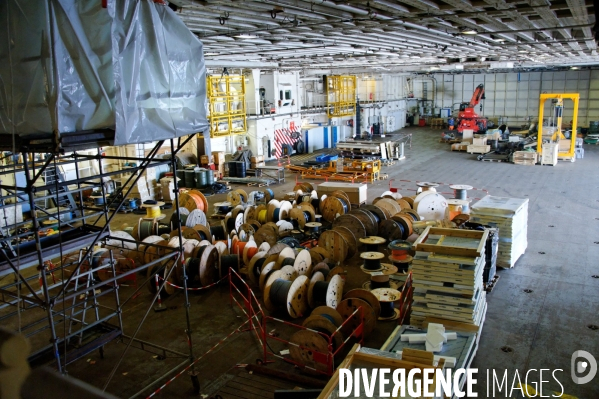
(194, 289)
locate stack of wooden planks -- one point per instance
(448, 276)
(510, 216)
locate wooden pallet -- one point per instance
(491, 284)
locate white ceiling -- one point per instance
(393, 35)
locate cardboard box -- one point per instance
(206, 159)
(257, 159)
(468, 135)
(255, 164)
(218, 156)
(564, 145)
(357, 192)
(219, 171)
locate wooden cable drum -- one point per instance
(289, 295)
(372, 242)
(406, 222)
(350, 238)
(116, 242)
(343, 195)
(305, 187)
(390, 205)
(286, 257)
(193, 199)
(348, 306)
(400, 250)
(183, 212)
(372, 261)
(353, 223)
(266, 234)
(146, 228)
(273, 211)
(266, 270)
(325, 324)
(335, 244)
(306, 207)
(218, 231)
(403, 204)
(319, 254)
(365, 295)
(411, 213)
(237, 197)
(312, 229)
(376, 213)
(321, 268)
(247, 229)
(227, 262)
(383, 280)
(139, 256)
(187, 232)
(410, 200)
(204, 232)
(392, 230)
(261, 214)
(386, 297)
(254, 223)
(249, 251)
(255, 266)
(208, 265)
(332, 207)
(303, 263)
(368, 220)
(309, 348)
(327, 293)
(299, 217)
(285, 228)
(122, 264)
(268, 195)
(249, 213)
(196, 216)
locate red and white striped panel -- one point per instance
(283, 136)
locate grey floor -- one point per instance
(542, 328)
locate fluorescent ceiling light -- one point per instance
(469, 31)
(246, 36)
(205, 54)
(574, 67)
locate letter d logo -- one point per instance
(579, 366)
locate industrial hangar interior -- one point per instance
(237, 199)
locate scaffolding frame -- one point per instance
(341, 95)
(69, 308)
(224, 92)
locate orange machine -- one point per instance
(468, 118)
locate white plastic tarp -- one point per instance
(133, 67)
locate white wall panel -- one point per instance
(515, 96)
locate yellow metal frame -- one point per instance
(341, 95)
(558, 135)
(221, 104)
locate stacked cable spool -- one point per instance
(379, 273)
(510, 216)
(400, 254)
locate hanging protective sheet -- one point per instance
(72, 66)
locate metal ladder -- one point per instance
(62, 197)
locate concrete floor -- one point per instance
(543, 328)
